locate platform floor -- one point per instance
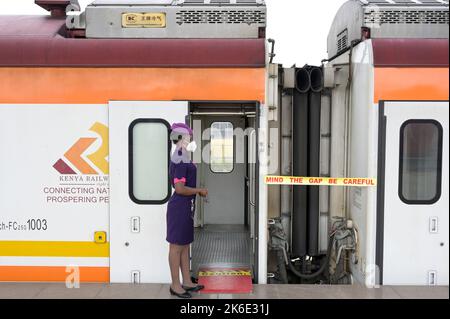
(157, 291)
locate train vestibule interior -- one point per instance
(225, 221)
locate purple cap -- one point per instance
(182, 129)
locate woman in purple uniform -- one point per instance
(181, 209)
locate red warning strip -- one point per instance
(226, 280)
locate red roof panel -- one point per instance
(39, 41)
(410, 52)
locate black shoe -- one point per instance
(194, 289)
(184, 295)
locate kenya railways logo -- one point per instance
(98, 162)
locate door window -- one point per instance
(222, 147)
(420, 162)
(149, 156)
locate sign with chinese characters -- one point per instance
(143, 20)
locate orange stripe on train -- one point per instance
(52, 274)
(411, 84)
(101, 85)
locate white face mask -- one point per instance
(191, 147)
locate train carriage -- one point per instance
(87, 98)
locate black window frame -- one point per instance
(131, 166)
(439, 162)
(234, 150)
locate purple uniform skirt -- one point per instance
(180, 220)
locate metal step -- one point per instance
(221, 246)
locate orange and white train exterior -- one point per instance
(390, 121)
(67, 103)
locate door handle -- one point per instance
(205, 200)
(136, 277)
(434, 225)
(135, 225)
(251, 192)
(432, 278)
(252, 202)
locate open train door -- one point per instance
(139, 158)
(413, 223)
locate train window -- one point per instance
(149, 149)
(222, 147)
(420, 162)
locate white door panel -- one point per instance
(138, 228)
(416, 223)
